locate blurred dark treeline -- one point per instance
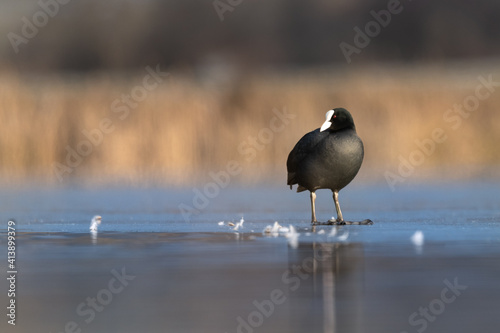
(255, 34)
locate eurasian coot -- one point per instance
(327, 158)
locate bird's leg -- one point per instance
(340, 219)
(313, 209)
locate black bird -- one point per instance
(327, 158)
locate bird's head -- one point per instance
(337, 119)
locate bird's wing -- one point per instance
(303, 148)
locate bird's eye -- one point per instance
(334, 116)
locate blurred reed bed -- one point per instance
(190, 126)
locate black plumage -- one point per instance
(327, 158)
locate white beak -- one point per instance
(326, 125)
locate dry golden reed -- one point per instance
(187, 127)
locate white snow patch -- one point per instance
(239, 224)
(418, 238)
(275, 229)
(94, 224)
(343, 237)
(293, 237)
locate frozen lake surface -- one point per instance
(153, 269)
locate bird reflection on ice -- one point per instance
(327, 275)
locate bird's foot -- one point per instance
(342, 222)
(364, 222)
(336, 222)
(329, 222)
